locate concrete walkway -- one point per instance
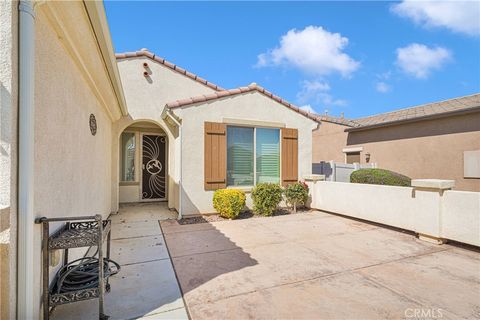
(146, 286)
(319, 266)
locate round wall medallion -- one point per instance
(93, 124)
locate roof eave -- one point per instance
(98, 20)
(193, 101)
(412, 120)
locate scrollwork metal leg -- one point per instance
(101, 281)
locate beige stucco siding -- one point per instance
(426, 149)
(328, 141)
(248, 106)
(8, 159)
(72, 167)
(146, 98)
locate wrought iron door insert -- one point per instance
(153, 164)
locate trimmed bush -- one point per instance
(296, 194)
(380, 176)
(266, 197)
(229, 202)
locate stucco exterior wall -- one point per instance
(328, 141)
(72, 167)
(427, 149)
(248, 106)
(8, 159)
(146, 98)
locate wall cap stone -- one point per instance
(433, 183)
(314, 177)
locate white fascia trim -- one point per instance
(355, 149)
(98, 20)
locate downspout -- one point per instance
(26, 81)
(168, 113)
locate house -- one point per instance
(435, 140)
(83, 130)
(212, 138)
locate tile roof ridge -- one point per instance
(145, 53)
(235, 91)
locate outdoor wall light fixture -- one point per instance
(367, 157)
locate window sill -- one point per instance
(129, 183)
(246, 189)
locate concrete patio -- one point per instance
(319, 266)
(146, 286)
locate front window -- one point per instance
(127, 168)
(240, 156)
(253, 156)
(268, 155)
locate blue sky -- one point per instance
(360, 58)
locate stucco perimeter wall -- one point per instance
(8, 159)
(430, 149)
(252, 106)
(72, 166)
(452, 215)
(461, 216)
(146, 98)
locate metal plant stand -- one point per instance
(77, 232)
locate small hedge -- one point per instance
(380, 176)
(266, 197)
(229, 202)
(296, 194)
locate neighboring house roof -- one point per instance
(168, 64)
(233, 92)
(427, 111)
(337, 120)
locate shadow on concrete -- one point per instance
(200, 253)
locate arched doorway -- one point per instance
(143, 162)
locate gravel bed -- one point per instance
(248, 214)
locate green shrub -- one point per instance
(296, 194)
(380, 176)
(266, 197)
(229, 202)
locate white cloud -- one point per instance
(457, 16)
(317, 92)
(382, 87)
(313, 50)
(308, 108)
(419, 60)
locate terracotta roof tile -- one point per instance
(168, 64)
(232, 92)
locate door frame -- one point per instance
(140, 173)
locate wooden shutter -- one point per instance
(289, 156)
(215, 156)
